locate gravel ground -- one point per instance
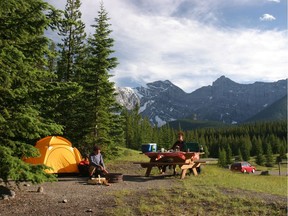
(72, 195)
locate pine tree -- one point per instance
(52, 59)
(269, 156)
(206, 151)
(69, 68)
(228, 155)
(72, 31)
(147, 131)
(23, 53)
(99, 107)
(166, 137)
(282, 152)
(260, 159)
(245, 147)
(222, 162)
(128, 132)
(239, 156)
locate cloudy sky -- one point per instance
(194, 42)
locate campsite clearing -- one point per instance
(139, 195)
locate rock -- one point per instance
(6, 193)
(5, 197)
(40, 189)
(265, 173)
(65, 201)
(89, 210)
(12, 194)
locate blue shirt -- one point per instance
(96, 160)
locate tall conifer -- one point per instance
(69, 69)
(99, 102)
(23, 76)
(72, 32)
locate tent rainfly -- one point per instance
(57, 153)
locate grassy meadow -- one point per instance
(216, 191)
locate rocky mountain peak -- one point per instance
(223, 81)
(127, 97)
(225, 101)
(162, 86)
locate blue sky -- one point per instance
(193, 42)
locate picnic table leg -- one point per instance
(149, 167)
(185, 168)
(148, 171)
(194, 168)
(183, 173)
(194, 171)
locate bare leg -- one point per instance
(91, 171)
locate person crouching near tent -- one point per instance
(96, 163)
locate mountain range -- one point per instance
(224, 101)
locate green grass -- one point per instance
(216, 191)
(128, 155)
(214, 176)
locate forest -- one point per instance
(50, 88)
(261, 140)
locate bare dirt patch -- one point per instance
(71, 195)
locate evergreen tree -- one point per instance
(132, 127)
(260, 159)
(206, 151)
(239, 156)
(98, 97)
(72, 32)
(52, 58)
(282, 153)
(222, 162)
(69, 69)
(128, 128)
(167, 137)
(269, 156)
(245, 147)
(228, 155)
(23, 74)
(147, 131)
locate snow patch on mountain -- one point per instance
(148, 103)
(159, 121)
(224, 101)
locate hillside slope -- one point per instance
(274, 112)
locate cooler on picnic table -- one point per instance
(149, 147)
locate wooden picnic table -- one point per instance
(185, 160)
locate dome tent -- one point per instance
(57, 153)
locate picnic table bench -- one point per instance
(185, 160)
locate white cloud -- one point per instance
(267, 17)
(277, 1)
(151, 44)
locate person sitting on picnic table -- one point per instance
(179, 145)
(96, 163)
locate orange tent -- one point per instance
(58, 153)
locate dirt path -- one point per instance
(73, 196)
